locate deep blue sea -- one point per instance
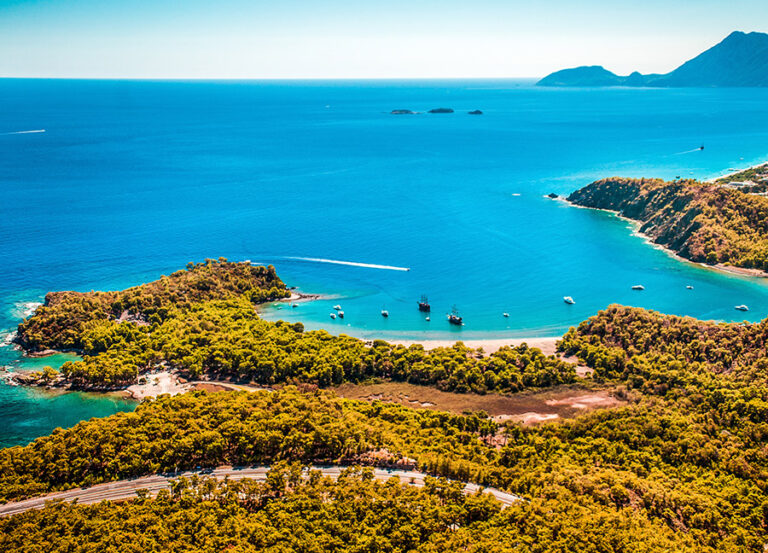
(133, 179)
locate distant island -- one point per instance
(720, 223)
(740, 60)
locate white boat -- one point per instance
(337, 307)
(638, 287)
(426, 319)
(505, 314)
(384, 313)
(689, 287)
(742, 307)
(333, 315)
(569, 300)
(341, 314)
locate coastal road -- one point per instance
(126, 489)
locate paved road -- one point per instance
(126, 489)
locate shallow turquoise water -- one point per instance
(134, 179)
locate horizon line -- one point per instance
(241, 79)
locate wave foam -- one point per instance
(24, 309)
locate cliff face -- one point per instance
(702, 222)
(740, 60)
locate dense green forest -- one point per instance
(60, 322)
(683, 466)
(665, 461)
(317, 515)
(704, 222)
(203, 321)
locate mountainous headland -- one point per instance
(740, 60)
(721, 223)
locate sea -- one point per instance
(109, 184)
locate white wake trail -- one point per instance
(350, 263)
(23, 132)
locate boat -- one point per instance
(638, 287)
(742, 307)
(337, 307)
(426, 319)
(333, 315)
(505, 314)
(454, 318)
(701, 147)
(569, 300)
(424, 304)
(294, 305)
(341, 314)
(689, 287)
(384, 313)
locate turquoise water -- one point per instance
(134, 179)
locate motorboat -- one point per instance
(742, 307)
(569, 300)
(638, 287)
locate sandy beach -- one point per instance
(546, 345)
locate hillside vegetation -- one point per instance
(61, 321)
(354, 514)
(693, 463)
(683, 466)
(707, 223)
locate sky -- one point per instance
(255, 39)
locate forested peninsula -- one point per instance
(721, 223)
(202, 322)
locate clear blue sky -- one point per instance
(363, 38)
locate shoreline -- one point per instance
(636, 224)
(726, 176)
(547, 345)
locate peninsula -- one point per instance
(740, 60)
(202, 323)
(721, 223)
